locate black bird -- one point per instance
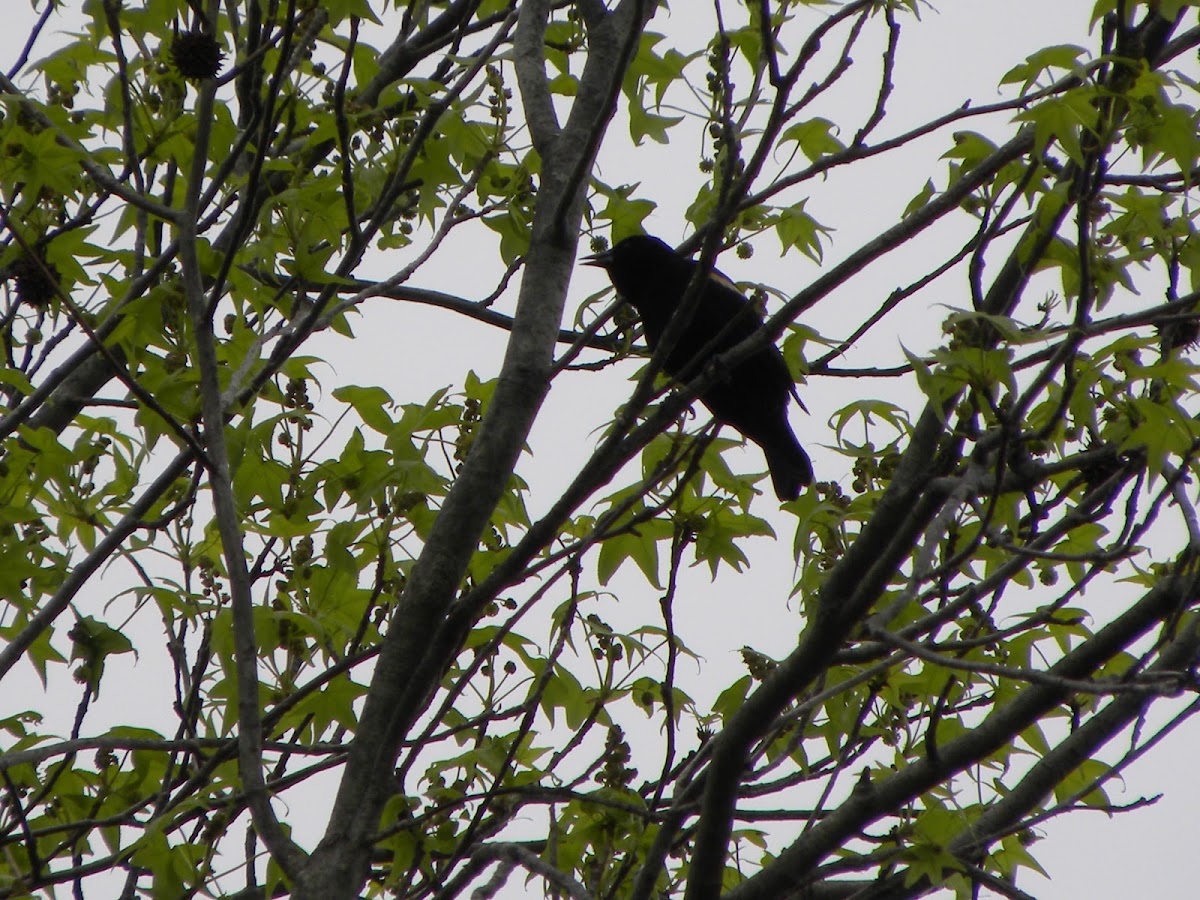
(752, 396)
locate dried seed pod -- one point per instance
(32, 284)
(197, 54)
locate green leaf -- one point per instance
(625, 211)
(371, 403)
(862, 415)
(797, 229)
(1063, 118)
(515, 233)
(1012, 856)
(815, 138)
(641, 546)
(971, 148)
(733, 697)
(1163, 430)
(643, 123)
(717, 540)
(92, 642)
(1060, 56)
(42, 163)
(563, 691)
(1082, 541)
(933, 384)
(343, 9)
(649, 68)
(923, 196)
(1087, 779)
(1173, 135)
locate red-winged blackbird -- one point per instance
(752, 396)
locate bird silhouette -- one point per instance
(753, 395)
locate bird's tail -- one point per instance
(791, 469)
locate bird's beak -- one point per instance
(599, 260)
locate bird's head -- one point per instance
(634, 253)
(648, 273)
(643, 269)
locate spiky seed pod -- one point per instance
(197, 55)
(32, 285)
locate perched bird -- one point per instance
(753, 395)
